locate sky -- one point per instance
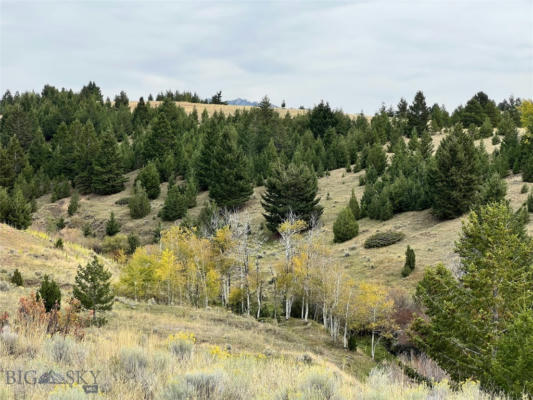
(356, 55)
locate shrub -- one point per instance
(74, 203)
(124, 201)
(4, 287)
(50, 294)
(64, 349)
(133, 243)
(87, 230)
(58, 244)
(495, 140)
(112, 227)
(345, 226)
(112, 244)
(181, 345)
(524, 189)
(139, 204)
(9, 340)
(196, 385)
(319, 385)
(410, 261)
(530, 202)
(16, 278)
(133, 362)
(382, 239)
(60, 224)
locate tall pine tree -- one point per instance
(292, 189)
(231, 186)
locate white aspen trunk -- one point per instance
(345, 336)
(372, 346)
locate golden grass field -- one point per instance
(226, 109)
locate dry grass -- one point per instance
(239, 357)
(226, 109)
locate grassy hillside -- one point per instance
(226, 109)
(432, 240)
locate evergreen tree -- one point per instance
(353, 205)
(16, 278)
(345, 226)
(149, 178)
(493, 189)
(485, 131)
(410, 261)
(418, 113)
(60, 189)
(469, 322)
(320, 119)
(139, 204)
(160, 140)
(19, 211)
(455, 177)
(527, 169)
(231, 186)
(204, 165)
(112, 226)
(93, 288)
(107, 170)
(292, 189)
(175, 206)
(426, 145)
(74, 203)
(529, 203)
(50, 294)
(141, 114)
(86, 148)
(377, 159)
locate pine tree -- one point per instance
(74, 203)
(107, 170)
(418, 113)
(19, 211)
(467, 320)
(353, 205)
(529, 203)
(16, 278)
(204, 164)
(410, 261)
(139, 204)
(50, 294)
(149, 178)
(141, 114)
(87, 147)
(93, 288)
(426, 145)
(345, 226)
(231, 186)
(455, 177)
(175, 206)
(377, 159)
(292, 189)
(112, 226)
(527, 169)
(485, 131)
(493, 189)
(160, 140)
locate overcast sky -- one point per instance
(356, 55)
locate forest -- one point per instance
(475, 323)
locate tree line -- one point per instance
(58, 141)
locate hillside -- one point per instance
(432, 239)
(144, 344)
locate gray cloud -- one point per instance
(356, 55)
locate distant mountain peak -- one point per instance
(242, 102)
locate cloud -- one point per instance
(356, 55)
